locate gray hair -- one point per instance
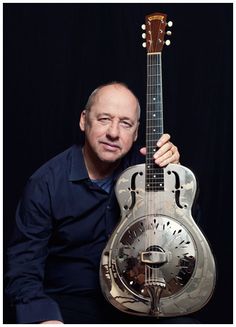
(92, 96)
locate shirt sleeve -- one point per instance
(27, 253)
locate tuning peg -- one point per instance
(170, 23)
(167, 42)
(144, 35)
(168, 32)
(144, 44)
(143, 27)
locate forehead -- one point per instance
(115, 100)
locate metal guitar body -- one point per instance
(157, 261)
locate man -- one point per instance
(68, 211)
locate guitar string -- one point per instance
(147, 171)
(160, 114)
(154, 128)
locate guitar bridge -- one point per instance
(155, 257)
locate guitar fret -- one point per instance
(154, 74)
(151, 65)
(159, 177)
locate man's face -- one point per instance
(111, 124)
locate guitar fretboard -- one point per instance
(154, 121)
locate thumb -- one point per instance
(143, 151)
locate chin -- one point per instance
(109, 158)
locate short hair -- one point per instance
(92, 96)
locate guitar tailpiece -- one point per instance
(154, 292)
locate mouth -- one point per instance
(110, 146)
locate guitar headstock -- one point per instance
(155, 25)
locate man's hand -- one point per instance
(167, 152)
(54, 322)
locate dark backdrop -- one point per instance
(56, 54)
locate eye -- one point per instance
(126, 123)
(104, 120)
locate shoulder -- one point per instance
(57, 166)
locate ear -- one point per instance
(136, 133)
(82, 120)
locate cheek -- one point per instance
(128, 140)
(95, 131)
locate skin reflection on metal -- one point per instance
(157, 234)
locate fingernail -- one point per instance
(156, 155)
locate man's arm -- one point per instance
(52, 322)
(26, 256)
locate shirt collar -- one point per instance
(78, 169)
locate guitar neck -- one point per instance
(155, 31)
(154, 121)
(154, 110)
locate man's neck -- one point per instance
(96, 168)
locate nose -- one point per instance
(113, 130)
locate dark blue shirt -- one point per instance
(63, 222)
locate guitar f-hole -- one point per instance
(177, 189)
(133, 191)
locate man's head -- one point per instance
(92, 97)
(110, 122)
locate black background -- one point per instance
(56, 54)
